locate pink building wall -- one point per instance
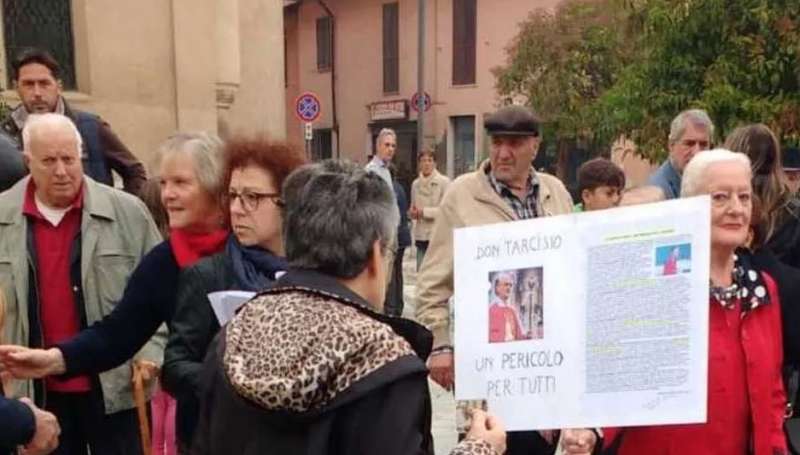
(359, 71)
(359, 56)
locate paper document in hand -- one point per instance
(225, 303)
(586, 320)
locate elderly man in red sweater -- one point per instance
(67, 247)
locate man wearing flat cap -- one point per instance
(504, 188)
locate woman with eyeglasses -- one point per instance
(746, 400)
(253, 257)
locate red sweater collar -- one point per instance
(189, 247)
(29, 202)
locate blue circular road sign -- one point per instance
(307, 107)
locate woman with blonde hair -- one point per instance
(775, 232)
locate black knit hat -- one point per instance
(791, 159)
(512, 121)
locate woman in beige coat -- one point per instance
(426, 194)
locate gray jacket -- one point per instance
(116, 231)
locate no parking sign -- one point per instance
(426, 102)
(308, 107)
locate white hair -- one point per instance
(38, 124)
(697, 117)
(206, 151)
(385, 132)
(695, 172)
(509, 276)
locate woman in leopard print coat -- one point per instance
(311, 366)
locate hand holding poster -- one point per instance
(586, 320)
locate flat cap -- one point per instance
(791, 159)
(512, 121)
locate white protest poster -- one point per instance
(586, 320)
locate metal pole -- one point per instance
(421, 76)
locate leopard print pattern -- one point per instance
(473, 447)
(296, 349)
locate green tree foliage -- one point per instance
(562, 60)
(738, 59)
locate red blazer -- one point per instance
(497, 323)
(750, 362)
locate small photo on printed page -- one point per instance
(673, 259)
(516, 310)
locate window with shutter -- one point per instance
(463, 143)
(464, 31)
(321, 144)
(324, 44)
(391, 48)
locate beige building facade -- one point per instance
(361, 44)
(454, 123)
(153, 67)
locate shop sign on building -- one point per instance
(388, 110)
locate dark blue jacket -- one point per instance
(403, 231)
(12, 169)
(94, 161)
(102, 150)
(93, 157)
(148, 301)
(17, 424)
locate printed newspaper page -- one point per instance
(586, 320)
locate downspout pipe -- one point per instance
(334, 116)
(421, 76)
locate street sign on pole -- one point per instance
(309, 131)
(307, 107)
(426, 100)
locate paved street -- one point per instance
(444, 425)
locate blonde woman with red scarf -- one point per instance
(190, 173)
